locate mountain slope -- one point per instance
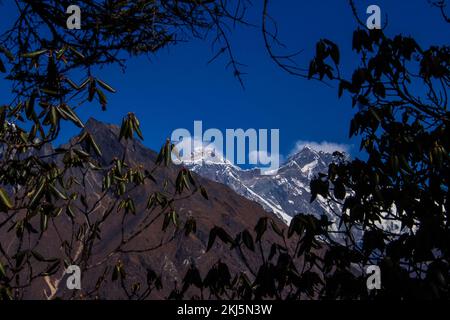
(171, 252)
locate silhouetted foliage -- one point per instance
(394, 204)
(40, 185)
(397, 200)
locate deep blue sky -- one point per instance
(176, 87)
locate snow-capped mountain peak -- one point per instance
(285, 194)
(202, 155)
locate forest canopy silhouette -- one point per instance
(50, 219)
